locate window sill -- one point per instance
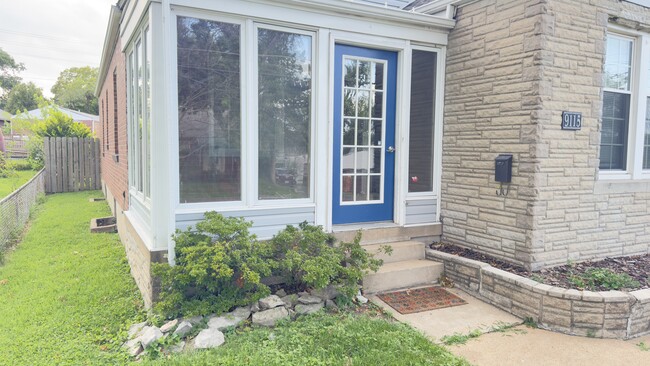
(622, 186)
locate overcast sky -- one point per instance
(49, 36)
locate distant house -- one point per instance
(90, 120)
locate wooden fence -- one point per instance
(16, 146)
(71, 164)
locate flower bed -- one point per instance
(603, 314)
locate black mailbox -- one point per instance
(503, 168)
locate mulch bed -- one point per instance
(637, 267)
(421, 299)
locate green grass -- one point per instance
(66, 295)
(10, 184)
(323, 339)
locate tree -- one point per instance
(58, 124)
(8, 69)
(23, 97)
(75, 89)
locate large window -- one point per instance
(139, 114)
(625, 130)
(214, 108)
(421, 135)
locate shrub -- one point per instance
(218, 266)
(19, 165)
(307, 257)
(6, 169)
(595, 278)
(36, 157)
(59, 124)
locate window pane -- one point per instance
(646, 137)
(423, 92)
(285, 83)
(139, 92)
(613, 142)
(209, 110)
(618, 63)
(147, 110)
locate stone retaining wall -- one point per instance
(604, 314)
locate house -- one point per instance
(90, 120)
(385, 116)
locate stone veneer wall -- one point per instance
(512, 68)
(605, 314)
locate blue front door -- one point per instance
(364, 134)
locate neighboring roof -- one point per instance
(5, 116)
(76, 115)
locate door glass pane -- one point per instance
(362, 151)
(421, 135)
(613, 141)
(285, 89)
(646, 137)
(618, 62)
(209, 110)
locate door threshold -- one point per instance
(363, 226)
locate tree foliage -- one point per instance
(8, 70)
(58, 124)
(23, 97)
(75, 89)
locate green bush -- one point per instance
(218, 266)
(6, 169)
(594, 278)
(20, 165)
(59, 124)
(306, 257)
(36, 157)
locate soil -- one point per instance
(637, 267)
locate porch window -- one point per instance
(421, 135)
(209, 100)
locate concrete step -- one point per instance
(403, 274)
(382, 234)
(402, 251)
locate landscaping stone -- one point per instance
(361, 299)
(303, 293)
(209, 338)
(328, 293)
(136, 329)
(176, 348)
(194, 320)
(281, 293)
(330, 304)
(149, 335)
(133, 347)
(302, 309)
(169, 326)
(309, 299)
(270, 302)
(183, 328)
(269, 318)
(231, 319)
(290, 300)
(255, 307)
(292, 314)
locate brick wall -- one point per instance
(512, 68)
(114, 166)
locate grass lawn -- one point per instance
(66, 294)
(66, 298)
(8, 185)
(323, 339)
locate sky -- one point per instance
(49, 36)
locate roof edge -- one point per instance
(110, 40)
(437, 6)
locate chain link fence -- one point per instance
(15, 209)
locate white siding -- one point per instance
(421, 211)
(266, 222)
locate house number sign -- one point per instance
(571, 120)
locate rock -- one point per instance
(133, 347)
(149, 335)
(302, 309)
(269, 318)
(290, 300)
(194, 320)
(330, 304)
(136, 329)
(183, 328)
(292, 314)
(255, 307)
(281, 293)
(328, 293)
(361, 299)
(231, 319)
(176, 348)
(270, 302)
(308, 300)
(303, 293)
(209, 338)
(169, 326)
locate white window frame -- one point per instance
(249, 113)
(639, 92)
(135, 163)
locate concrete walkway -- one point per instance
(520, 345)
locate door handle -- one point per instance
(390, 149)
